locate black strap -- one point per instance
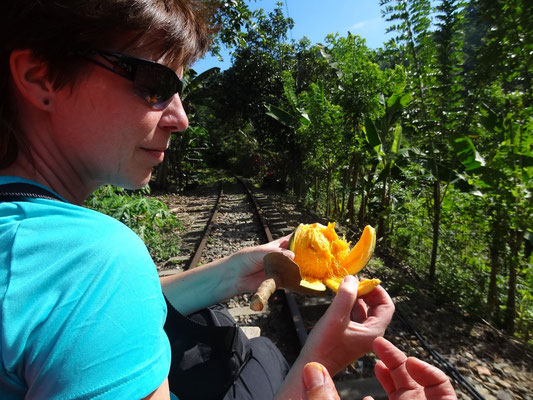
(208, 352)
(19, 191)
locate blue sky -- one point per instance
(317, 18)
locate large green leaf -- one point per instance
(467, 153)
(397, 139)
(197, 82)
(372, 135)
(282, 116)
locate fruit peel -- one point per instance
(324, 257)
(322, 260)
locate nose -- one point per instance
(174, 117)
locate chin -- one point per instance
(135, 183)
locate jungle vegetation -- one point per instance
(429, 138)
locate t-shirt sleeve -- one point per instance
(98, 329)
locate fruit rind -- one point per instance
(324, 259)
(362, 251)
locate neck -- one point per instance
(36, 169)
(41, 160)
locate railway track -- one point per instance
(225, 218)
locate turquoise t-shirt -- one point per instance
(81, 307)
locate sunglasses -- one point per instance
(153, 82)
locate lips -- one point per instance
(157, 154)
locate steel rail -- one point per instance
(296, 316)
(207, 230)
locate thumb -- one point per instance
(318, 383)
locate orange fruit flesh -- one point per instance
(319, 251)
(324, 258)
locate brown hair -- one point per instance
(53, 30)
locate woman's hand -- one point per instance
(222, 279)
(343, 334)
(349, 326)
(409, 378)
(248, 263)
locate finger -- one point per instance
(368, 398)
(280, 245)
(283, 241)
(288, 253)
(384, 377)
(283, 244)
(394, 359)
(379, 304)
(435, 382)
(359, 311)
(344, 301)
(318, 383)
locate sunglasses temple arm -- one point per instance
(129, 77)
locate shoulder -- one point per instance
(95, 280)
(74, 229)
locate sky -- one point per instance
(317, 18)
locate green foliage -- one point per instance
(429, 138)
(234, 18)
(148, 217)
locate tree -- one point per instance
(357, 86)
(433, 71)
(255, 79)
(508, 123)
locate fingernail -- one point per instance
(350, 279)
(288, 253)
(313, 376)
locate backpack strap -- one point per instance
(206, 346)
(20, 191)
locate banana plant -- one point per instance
(297, 116)
(385, 155)
(508, 180)
(180, 144)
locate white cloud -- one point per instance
(368, 24)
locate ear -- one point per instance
(30, 77)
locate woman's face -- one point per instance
(108, 134)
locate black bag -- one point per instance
(208, 352)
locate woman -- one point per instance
(90, 96)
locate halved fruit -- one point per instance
(321, 254)
(321, 260)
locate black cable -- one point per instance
(450, 369)
(444, 364)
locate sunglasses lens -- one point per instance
(156, 84)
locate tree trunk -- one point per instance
(315, 195)
(383, 216)
(361, 216)
(343, 193)
(365, 195)
(436, 227)
(354, 180)
(515, 242)
(328, 196)
(492, 295)
(497, 232)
